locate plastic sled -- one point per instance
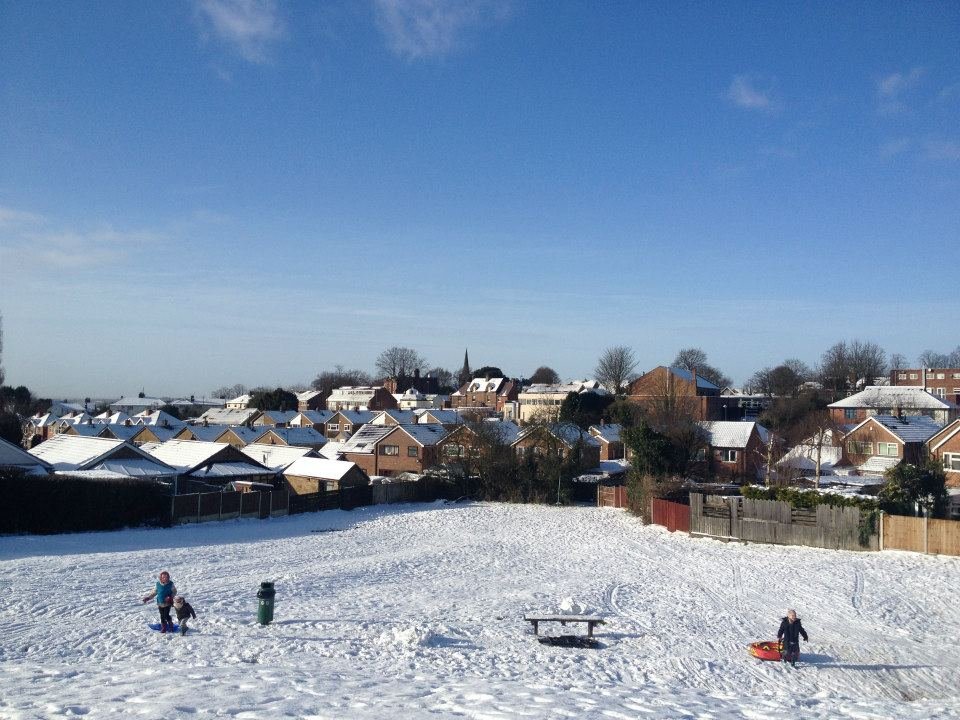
(156, 626)
(765, 650)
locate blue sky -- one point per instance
(205, 192)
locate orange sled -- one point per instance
(765, 650)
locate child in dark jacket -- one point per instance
(790, 633)
(184, 613)
(164, 592)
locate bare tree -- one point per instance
(800, 368)
(834, 369)
(695, 359)
(817, 430)
(399, 362)
(326, 381)
(931, 359)
(545, 375)
(898, 361)
(955, 358)
(228, 392)
(868, 361)
(445, 379)
(615, 368)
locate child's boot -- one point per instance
(163, 627)
(183, 629)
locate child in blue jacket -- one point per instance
(164, 593)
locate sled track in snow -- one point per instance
(857, 598)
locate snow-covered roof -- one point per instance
(125, 432)
(320, 468)
(306, 435)
(485, 385)
(728, 433)
(399, 417)
(207, 433)
(134, 467)
(307, 395)
(184, 454)
(429, 434)
(444, 417)
(607, 433)
(315, 417)
(688, 376)
(15, 456)
(44, 420)
(277, 457)
(279, 417)
(910, 429)
(159, 418)
(894, 397)
(229, 416)
(332, 450)
(76, 452)
(228, 469)
(356, 417)
(240, 401)
(803, 456)
(579, 386)
(878, 465)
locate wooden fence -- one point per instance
(938, 537)
(769, 521)
(203, 507)
(612, 496)
(673, 516)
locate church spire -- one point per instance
(464, 376)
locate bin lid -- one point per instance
(266, 586)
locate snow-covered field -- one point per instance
(415, 611)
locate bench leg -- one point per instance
(534, 627)
(589, 629)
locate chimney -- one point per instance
(693, 372)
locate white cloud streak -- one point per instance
(892, 87)
(416, 29)
(250, 27)
(743, 92)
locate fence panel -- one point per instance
(230, 505)
(615, 496)
(673, 516)
(208, 506)
(903, 533)
(943, 537)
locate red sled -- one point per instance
(765, 650)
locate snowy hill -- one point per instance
(415, 611)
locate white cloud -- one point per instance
(743, 92)
(10, 217)
(251, 27)
(423, 28)
(891, 88)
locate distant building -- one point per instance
(361, 398)
(942, 383)
(677, 388)
(904, 401)
(541, 402)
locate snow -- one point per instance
(416, 611)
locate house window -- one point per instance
(887, 449)
(941, 376)
(913, 376)
(956, 376)
(849, 413)
(901, 376)
(453, 450)
(951, 461)
(389, 449)
(701, 455)
(941, 392)
(347, 428)
(728, 456)
(333, 427)
(855, 447)
(412, 451)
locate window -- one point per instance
(849, 413)
(956, 376)
(333, 427)
(453, 450)
(941, 376)
(412, 451)
(941, 392)
(913, 376)
(901, 376)
(951, 461)
(728, 456)
(389, 449)
(887, 449)
(347, 428)
(859, 448)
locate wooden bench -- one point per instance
(591, 621)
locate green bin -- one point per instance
(265, 597)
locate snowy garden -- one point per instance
(414, 611)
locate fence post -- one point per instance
(926, 532)
(198, 507)
(881, 530)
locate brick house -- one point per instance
(945, 447)
(239, 436)
(486, 394)
(393, 417)
(342, 423)
(734, 449)
(560, 439)
(392, 449)
(275, 418)
(425, 384)
(668, 389)
(943, 383)
(299, 436)
(310, 400)
(892, 400)
(608, 435)
(361, 398)
(883, 441)
(316, 419)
